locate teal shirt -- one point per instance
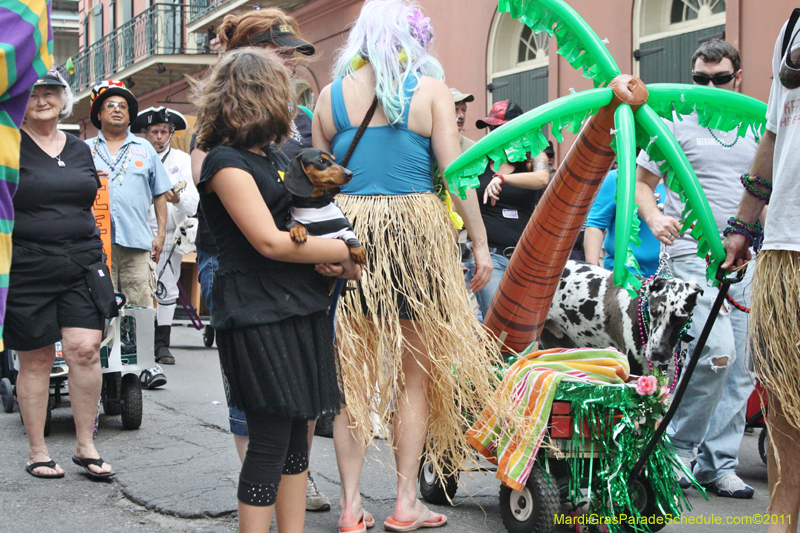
(388, 160)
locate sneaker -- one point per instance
(153, 378)
(315, 500)
(683, 481)
(730, 486)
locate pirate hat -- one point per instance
(158, 115)
(107, 88)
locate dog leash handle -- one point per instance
(360, 132)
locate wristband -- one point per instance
(498, 175)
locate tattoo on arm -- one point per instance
(540, 163)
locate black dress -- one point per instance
(274, 334)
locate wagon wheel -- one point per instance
(434, 488)
(533, 508)
(7, 395)
(208, 336)
(112, 383)
(131, 402)
(763, 444)
(644, 500)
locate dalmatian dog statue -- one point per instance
(589, 310)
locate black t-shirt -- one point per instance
(506, 220)
(293, 144)
(53, 204)
(250, 289)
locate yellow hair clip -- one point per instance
(402, 56)
(358, 62)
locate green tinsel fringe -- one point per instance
(610, 412)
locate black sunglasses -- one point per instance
(719, 79)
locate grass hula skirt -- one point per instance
(775, 329)
(413, 267)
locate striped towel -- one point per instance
(531, 384)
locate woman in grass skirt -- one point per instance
(409, 327)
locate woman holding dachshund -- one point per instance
(270, 310)
(409, 326)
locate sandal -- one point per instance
(31, 469)
(85, 463)
(367, 521)
(426, 519)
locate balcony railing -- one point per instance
(200, 8)
(158, 30)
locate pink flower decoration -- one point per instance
(647, 385)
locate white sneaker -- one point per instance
(683, 481)
(153, 378)
(315, 500)
(730, 486)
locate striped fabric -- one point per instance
(26, 53)
(531, 384)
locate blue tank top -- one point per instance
(388, 160)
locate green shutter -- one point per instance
(671, 57)
(528, 89)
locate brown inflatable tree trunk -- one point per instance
(520, 305)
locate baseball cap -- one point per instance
(459, 97)
(50, 79)
(501, 112)
(282, 34)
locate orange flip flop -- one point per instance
(366, 522)
(426, 520)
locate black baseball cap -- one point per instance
(282, 34)
(50, 79)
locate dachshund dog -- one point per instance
(310, 176)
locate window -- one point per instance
(686, 10)
(112, 15)
(517, 61)
(98, 22)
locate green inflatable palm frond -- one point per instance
(577, 41)
(524, 134)
(719, 109)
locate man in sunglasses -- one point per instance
(775, 323)
(711, 416)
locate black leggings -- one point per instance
(278, 445)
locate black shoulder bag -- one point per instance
(98, 280)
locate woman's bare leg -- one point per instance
(33, 393)
(82, 353)
(411, 423)
(254, 518)
(350, 455)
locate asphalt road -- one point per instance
(178, 472)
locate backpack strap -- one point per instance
(787, 35)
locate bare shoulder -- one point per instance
(433, 86)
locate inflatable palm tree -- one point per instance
(612, 119)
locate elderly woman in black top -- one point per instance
(48, 299)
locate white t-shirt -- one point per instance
(717, 167)
(179, 167)
(781, 231)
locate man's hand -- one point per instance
(666, 229)
(737, 250)
(483, 267)
(158, 246)
(102, 173)
(172, 197)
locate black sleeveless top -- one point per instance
(250, 289)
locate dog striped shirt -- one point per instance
(323, 218)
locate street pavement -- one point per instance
(178, 472)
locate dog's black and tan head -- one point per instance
(671, 302)
(313, 171)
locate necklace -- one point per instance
(120, 163)
(40, 142)
(735, 139)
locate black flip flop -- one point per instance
(85, 463)
(46, 464)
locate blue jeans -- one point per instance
(718, 453)
(206, 267)
(711, 413)
(486, 294)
